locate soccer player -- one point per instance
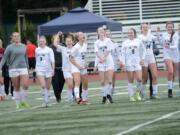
(179, 55)
(169, 41)
(115, 52)
(1, 76)
(104, 63)
(66, 64)
(45, 69)
(16, 56)
(149, 62)
(133, 55)
(79, 68)
(31, 57)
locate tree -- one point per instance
(30, 32)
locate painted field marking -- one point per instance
(147, 123)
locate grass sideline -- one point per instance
(109, 119)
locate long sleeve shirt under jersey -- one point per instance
(16, 55)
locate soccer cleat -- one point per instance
(138, 96)
(104, 100)
(44, 105)
(155, 96)
(18, 106)
(170, 95)
(179, 94)
(79, 100)
(3, 98)
(85, 103)
(25, 104)
(110, 99)
(132, 99)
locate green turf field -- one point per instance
(95, 119)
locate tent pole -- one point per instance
(38, 34)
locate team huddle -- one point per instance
(136, 57)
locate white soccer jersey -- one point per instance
(132, 52)
(44, 58)
(148, 43)
(165, 40)
(115, 52)
(66, 65)
(172, 52)
(79, 54)
(102, 47)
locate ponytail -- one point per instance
(172, 34)
(171, 38)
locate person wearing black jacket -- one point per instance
(7, 80)
(58, 78)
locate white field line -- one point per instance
(89, 89)
(148, 122)
(23, 109)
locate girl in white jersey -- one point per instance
(104, 63)
(147, 39)
(115, 52)
(66, 66)
(179, 55)
(16, 56)
(44, 69)
(133, 54)
(79, 68)
(169, 40)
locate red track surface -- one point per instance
(119, 76)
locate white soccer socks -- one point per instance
(2, 90)
(155, 89)
(17, 97)
(103, 91)
(130, 90)
(143, 87)
(69, 96)
(84, 95)
(170, 85)
(76, 92)
(43, 92)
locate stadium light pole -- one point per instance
(140, 11)
(100, 7)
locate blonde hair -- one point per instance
(98, 30)
(13, 35)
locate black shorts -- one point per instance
(32, 63)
